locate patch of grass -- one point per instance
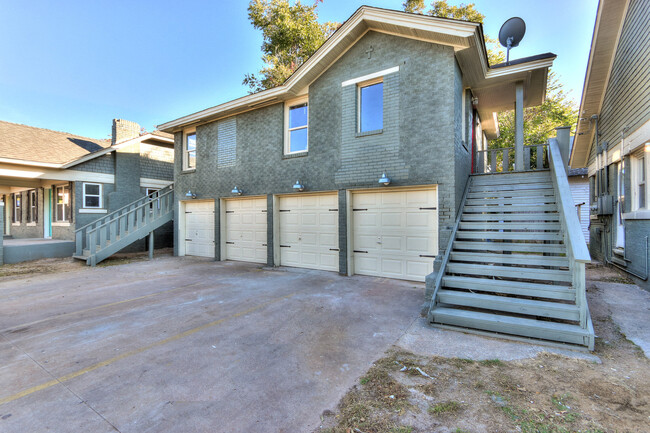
(460, 430)
(448, 407)
(461, 362)
(363, 380)
(491, 363)
(560, 403)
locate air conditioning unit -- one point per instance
(605, 205)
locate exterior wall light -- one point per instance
(385, 180)
(299, 186)
(236, 191)
(190, 194)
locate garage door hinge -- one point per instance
(285, 210)
(264, 211)
(230, 243)
(424, 255)
(357, 210)
(263, 245)
(428, 208)
(188, 212)
(188, 240)
(359, 251)
(285, 246)
(230, 211)
(334, 210)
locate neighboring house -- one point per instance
(53, 183)
(613, 136)
(579, 184)
(362, 162)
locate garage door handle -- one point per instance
(285, 210)
(263, 245)
(428, 208)
(285, 246)
(230, 243)
(333, 210)
(359, 251)
(357, 210)
(334, 249)
(188, 240)
(424, 255)
(230, 211)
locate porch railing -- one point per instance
(502, 160)
(125, 220)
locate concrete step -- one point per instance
(545, 330)
(513, 259)
(510, 272)
(519, 288)
(529, 307)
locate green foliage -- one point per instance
(539, 122)
(413, 6)
(291, 33)
(443, 408)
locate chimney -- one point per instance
(124, 130)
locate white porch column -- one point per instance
(519, 126)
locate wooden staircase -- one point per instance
(510, 267)
(107, 235)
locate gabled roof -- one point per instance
(607, 30)
(465, 37)
(27, 144)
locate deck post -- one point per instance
(519, 126)
(151, 246)
(563, 136)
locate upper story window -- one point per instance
(189, 150)
(371, 105)
(92, 195)
(32, 204)
(297, 126)
(62, 203)
(17, 211)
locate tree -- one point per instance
(291, 35)
(413, 6)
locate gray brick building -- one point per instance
(301, 155)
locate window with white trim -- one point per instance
(62, 204)
(370, 105)
(17, 214)
(92, 195)
(296, 137)
(32, 204)
(189, 150)
(640, 181)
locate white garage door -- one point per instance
(199, 228)
(395, 233)
(309, 231)
(246, 230)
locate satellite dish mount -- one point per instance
(511, 33)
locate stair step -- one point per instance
(499, 180)
(535, 290)
(512, 259)
(510, 272)
(528, 307)
(510, 208)
(520, 247)
(561, 332)
(538, 200)
(519, 236)
(547, 216)
(484, 225)
(84, 258)
(511, 187)
(501, 193)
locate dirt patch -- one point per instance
(550, 393)
(68, 264)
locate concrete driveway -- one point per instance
(184, 345)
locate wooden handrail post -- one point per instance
(519, 126)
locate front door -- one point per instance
(47, 213)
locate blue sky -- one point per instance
(74, 66)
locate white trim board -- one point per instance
(53, 174)
(146, 182)
(370, 76)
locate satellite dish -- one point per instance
(511, 33)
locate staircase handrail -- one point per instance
(450, 244)
(147, 198)
(577, 251)
(132, 210)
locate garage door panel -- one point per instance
(199, 228)
(246, 230)
(406, 226)
(309, 225)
